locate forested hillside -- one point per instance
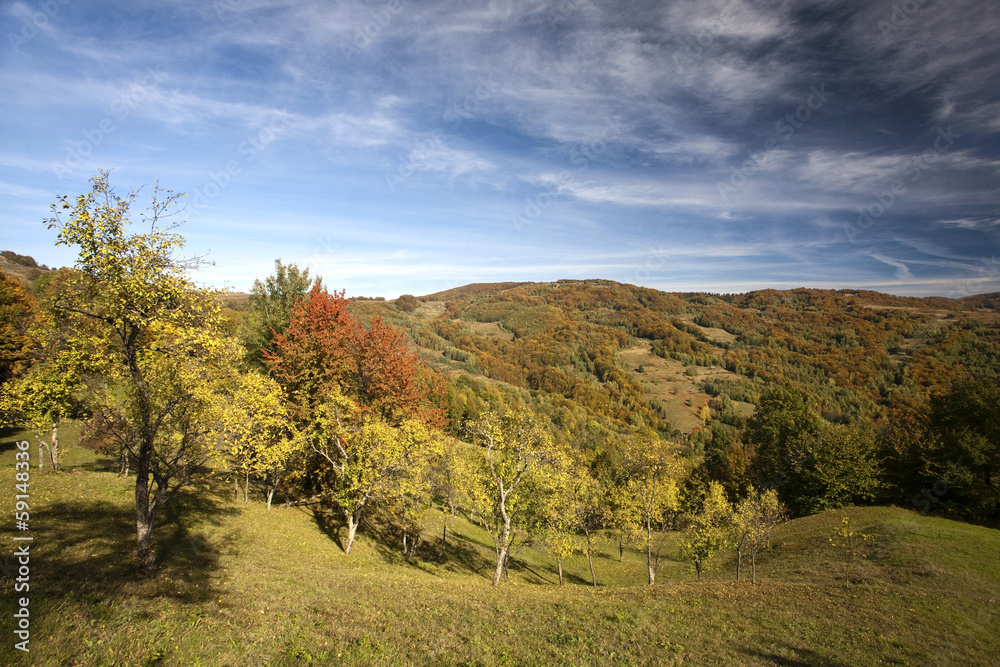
(901, 377)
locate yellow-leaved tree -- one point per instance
(648, 494)
(363, 457)
(258, 435)
(167, 366)
(709, 531)
(515, 473)
(754, 519)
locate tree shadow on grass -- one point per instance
(330, 523)
(801, 657)
(462, 554)
(86, 549)
(530, 574)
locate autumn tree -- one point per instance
(517, 454)
(359, 400)
(362, 457)
(17, 312)
(50, 390)
(649, 496)
(326, 348)
(708, 531)
(166, 364)
(449, 477)
(754, 519)
(259, 440)
(312, 356)
(849, 541)
(575, 508)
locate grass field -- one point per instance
(240, 585)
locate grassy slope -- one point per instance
(241, 585)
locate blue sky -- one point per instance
(409, 147)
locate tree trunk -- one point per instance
(246, 489)
(649, 552)
(739, 555)
(697, 568)
(270, 496)
(144, 514)
(502, 553)
(559, 564)
(590, 560)
(444, 538)
(753, 567)
(621, 551)
(41, 458)
(352, 528)
(54, 448)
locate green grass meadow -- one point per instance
(241, 585)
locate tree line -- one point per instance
(311, 403)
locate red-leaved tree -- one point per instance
(326, 348)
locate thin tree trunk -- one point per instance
(352, 528)
(54, 448)
(621, 551)
(502, 554)
(739, 556)
(697, 568)
(559, 564)
(41, 458)
(246, 489)
(649, 552)
(444, 538)
(590, 560)
(270, 495)
(753, 567)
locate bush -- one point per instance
(407, 303)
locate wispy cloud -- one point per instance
(414, 132)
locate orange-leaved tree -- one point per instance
(356, 396)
